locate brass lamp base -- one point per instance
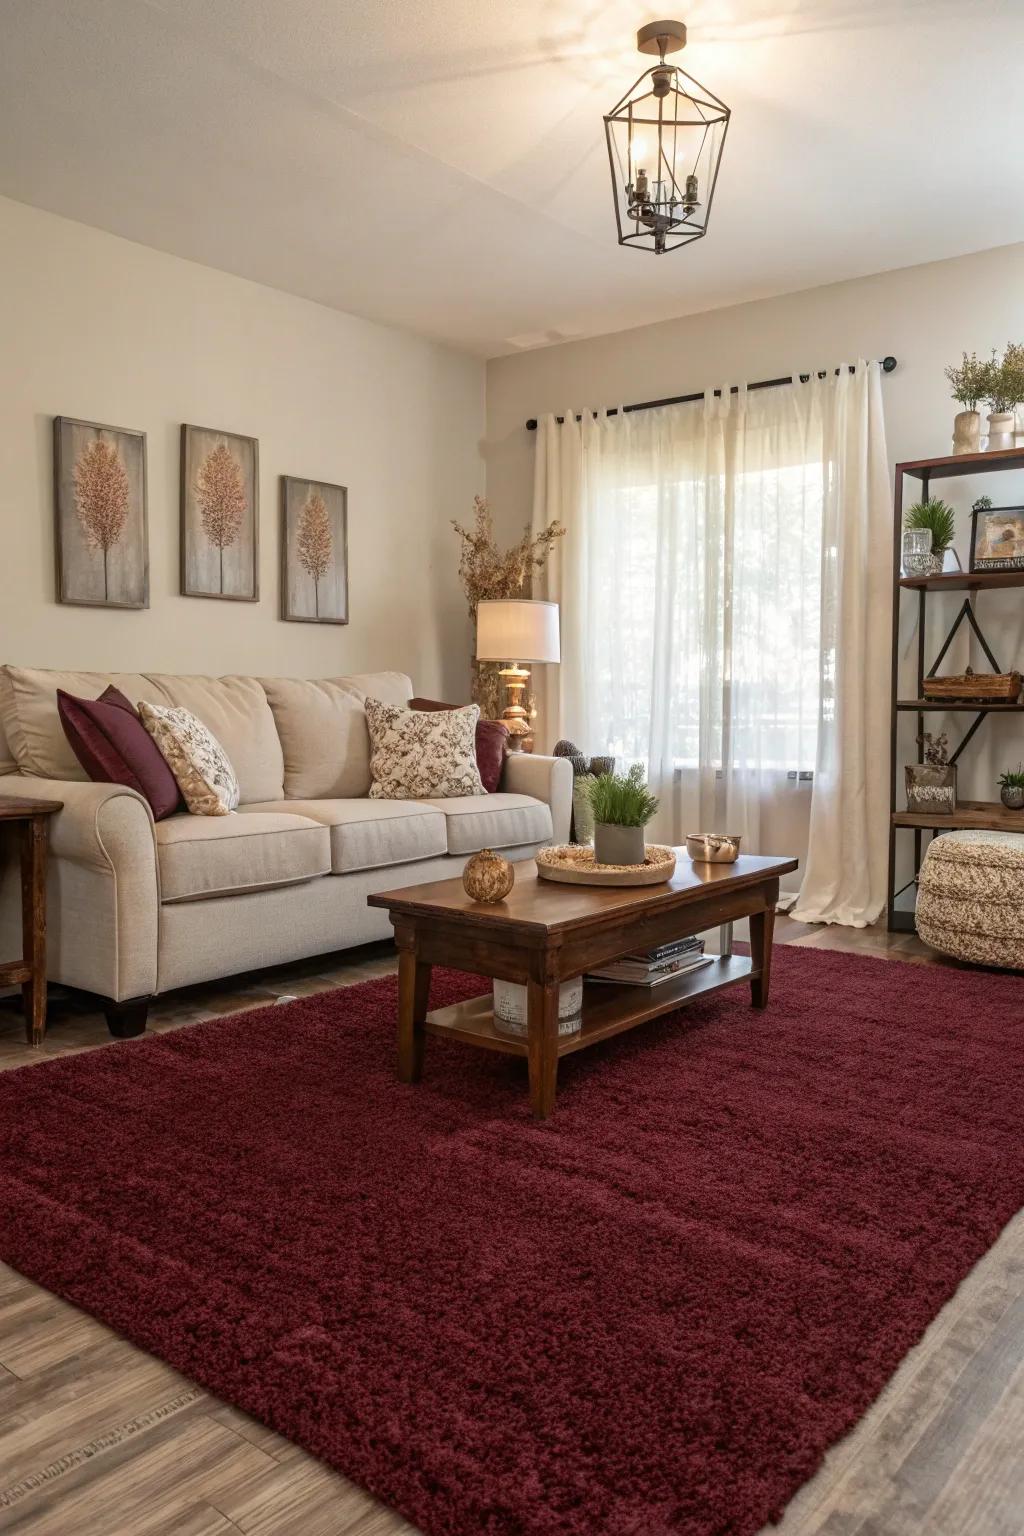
(514, 715)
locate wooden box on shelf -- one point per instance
(975, 687)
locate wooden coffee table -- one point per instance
(543, 934)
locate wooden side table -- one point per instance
(31, 819)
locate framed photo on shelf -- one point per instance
(997, 539)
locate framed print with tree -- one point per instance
(220, 493)
(314, 551)
(101, 519)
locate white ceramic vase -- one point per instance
(967, 432)
(1000, 430)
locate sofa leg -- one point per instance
(128, 1019)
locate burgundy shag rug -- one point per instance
(651, 1315)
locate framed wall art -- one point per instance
(997, 538)
(220, 493)
(102, 541)
(314, 551)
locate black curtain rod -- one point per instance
(888, 364)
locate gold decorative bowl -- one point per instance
(713, 847)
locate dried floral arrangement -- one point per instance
(999, 382)
(968, 381)
(1004, 388)
(936, 749)
(488, 572)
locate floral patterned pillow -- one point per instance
(195, 757)
(418, 754)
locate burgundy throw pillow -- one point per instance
(114, 747)
(491, 736)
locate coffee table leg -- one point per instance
(413, 992)
(762, 926)
(542, 1045)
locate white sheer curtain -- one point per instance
(725, 595)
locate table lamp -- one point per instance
(523, 628)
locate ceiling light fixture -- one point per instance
(665, 141)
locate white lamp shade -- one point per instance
(517, 629)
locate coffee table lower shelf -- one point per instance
(607, 1010)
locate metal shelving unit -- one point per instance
(974, 814)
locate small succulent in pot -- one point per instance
(1011, 788)
(622, 804)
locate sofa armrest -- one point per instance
(545, 778)
(100, 824)
(103, 896)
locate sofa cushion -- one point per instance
(224, 855)
(235, 710)
(494, 821)
(28, 704)
(324, 738)
(322, 726)
(373, 834)
(491, 744)
(416, 755)
(391, 687)
(207, 781)
(114, 747)
(8, 763)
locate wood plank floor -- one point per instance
(99, 1439)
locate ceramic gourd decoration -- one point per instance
(488, 877)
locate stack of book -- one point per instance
(653, 966)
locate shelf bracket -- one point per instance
(966, 612)
(977, 721)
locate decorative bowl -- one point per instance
(713, 847)
(574, 865)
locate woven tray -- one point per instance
(992, 687)
(574, 865)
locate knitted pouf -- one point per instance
(970, 901)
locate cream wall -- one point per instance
(925, 316)
(97, 327)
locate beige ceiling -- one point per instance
(440, 164)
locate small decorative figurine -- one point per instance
(488, 877)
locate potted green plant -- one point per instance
(1011, 788)
(1003, 392)
(968, 384)
(936, 518)
(622, 804)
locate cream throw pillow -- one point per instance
(195, 757)
(418, 754)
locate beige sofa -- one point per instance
(137, 908)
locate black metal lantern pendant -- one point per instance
(665, 141)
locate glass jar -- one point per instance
(917, 552)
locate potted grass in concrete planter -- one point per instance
(622, 805)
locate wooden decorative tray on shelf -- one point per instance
(985, 687)
(573, 864)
